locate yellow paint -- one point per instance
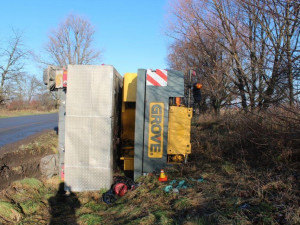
(179, 131)
(129, 87)
(128, 125)
(59, 79)
(128, 163)
(127, 120)
(156, 130)
(128, 106)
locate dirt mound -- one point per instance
(22, 158)
(25, 200)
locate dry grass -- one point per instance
(4, 113)
(253, 160)
(250, 170)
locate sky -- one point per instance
(131, 33)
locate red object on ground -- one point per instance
(62, 172)
(120, 189)
(65, 78)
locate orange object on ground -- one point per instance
(162, 176)
(178, 101)
(198, 85)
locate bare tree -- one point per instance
(254, 43)
(205, 57)
(206, 48)
(275, 34)
(291, 48)
(34, 88)
(72, 42)
(11, 63)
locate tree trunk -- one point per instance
(2, 98)
(272, 82)
(289, 57)
(241, 88)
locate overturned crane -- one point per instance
(139, 118)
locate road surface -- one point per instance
(17, 128)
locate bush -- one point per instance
(44, 104)
(266, 138)
(16, 105)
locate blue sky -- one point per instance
(131, 32)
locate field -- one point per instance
(244, 169)
(4, 113)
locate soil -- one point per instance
(18, 162)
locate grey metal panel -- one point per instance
(93, 90)
(45, 76)
(49, 77)
(174, 88)
(88, 179)
(89, 127)
(139, 124)
(61, 127)
(88, 149)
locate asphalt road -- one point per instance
(17, 128)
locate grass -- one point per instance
(236, 187)
(7, 114)
(47, 142)
(90, 219)
(8, 213)
(37, 146)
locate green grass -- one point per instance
(8, 213)
(29, 183)
(90, 219)
(95, 207)
(30, 206)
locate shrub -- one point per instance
(266, 138)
